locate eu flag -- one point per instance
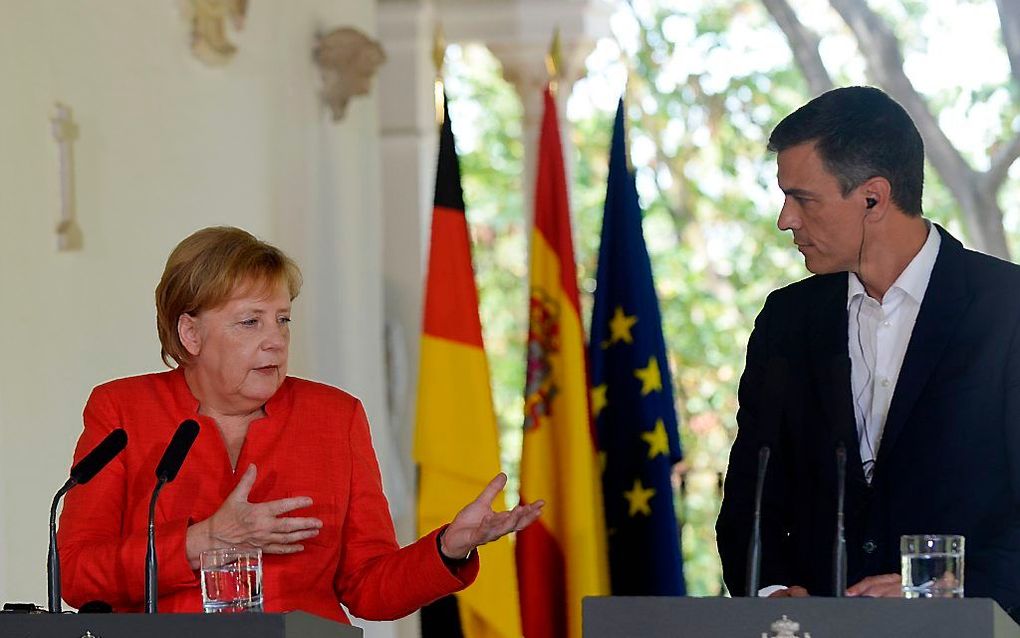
(632, 398)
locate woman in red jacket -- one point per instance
(280, 463)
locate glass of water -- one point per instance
(231, 580)
(932, 566)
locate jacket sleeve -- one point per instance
(99, 558)
(760, 406)
(376, 579)
(1012, 413)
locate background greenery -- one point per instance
(706, 82)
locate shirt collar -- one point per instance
(915, 277)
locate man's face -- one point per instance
(827, 227)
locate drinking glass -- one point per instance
(231, 580)
(932, 565)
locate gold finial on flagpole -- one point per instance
(439, 60)
(554, 61)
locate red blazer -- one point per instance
(314, 441)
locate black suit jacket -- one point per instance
(949, 458)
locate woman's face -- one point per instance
(239, 349)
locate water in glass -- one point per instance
(932, 566)
(232, 582)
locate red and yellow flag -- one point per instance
(456, 439)
(562, 557)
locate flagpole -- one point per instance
(628, 96)
(439, 61)
(554, 62)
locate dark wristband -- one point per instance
(451, 563)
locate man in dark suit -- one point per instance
(904, 347)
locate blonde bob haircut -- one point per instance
(207, 269)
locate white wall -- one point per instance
(167, 145)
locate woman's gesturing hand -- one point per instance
(478, 524)
(240, 523)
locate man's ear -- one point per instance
(875, 198)
(189, 333)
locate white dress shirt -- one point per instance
(878, 334)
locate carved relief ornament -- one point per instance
(348, 60)
(208, 20)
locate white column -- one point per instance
(524, 68)
(519, 34)
(409, 141)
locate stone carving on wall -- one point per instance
(65, 132)
(208, 20)
(348, 60)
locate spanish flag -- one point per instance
(561, 557)
(456, 440)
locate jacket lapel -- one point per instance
(830, 363)
(944, 304)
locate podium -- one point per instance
(290, 625)
(661, 617)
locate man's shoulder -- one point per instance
(991, 273)
(799, 294)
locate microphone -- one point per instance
(166, 472)
(88, 467)
(754, 545)
(175, 452)
(81, 473)
(839, 544)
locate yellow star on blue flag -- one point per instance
(657, 440)
(620, 325)
(638, 498)
(651, 379)
(598, 399)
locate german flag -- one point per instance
(561, 557)
(456, 439)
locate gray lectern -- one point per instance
(294, 624)
(655, 617)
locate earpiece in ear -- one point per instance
(870, 202)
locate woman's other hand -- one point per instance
(241, 523)
(477, 524)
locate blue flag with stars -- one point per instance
(632, 398)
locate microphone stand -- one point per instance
(53, 556)
(166, 471)
(151, 588)
(82, 472)
(839, 545)
(754, 546)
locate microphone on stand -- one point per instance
(839, 544)
(81, 473)
(754, 545)
(166, 472)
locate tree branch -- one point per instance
(804, 44)
(881, 50)
(1001, 161)
(1009, 17)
